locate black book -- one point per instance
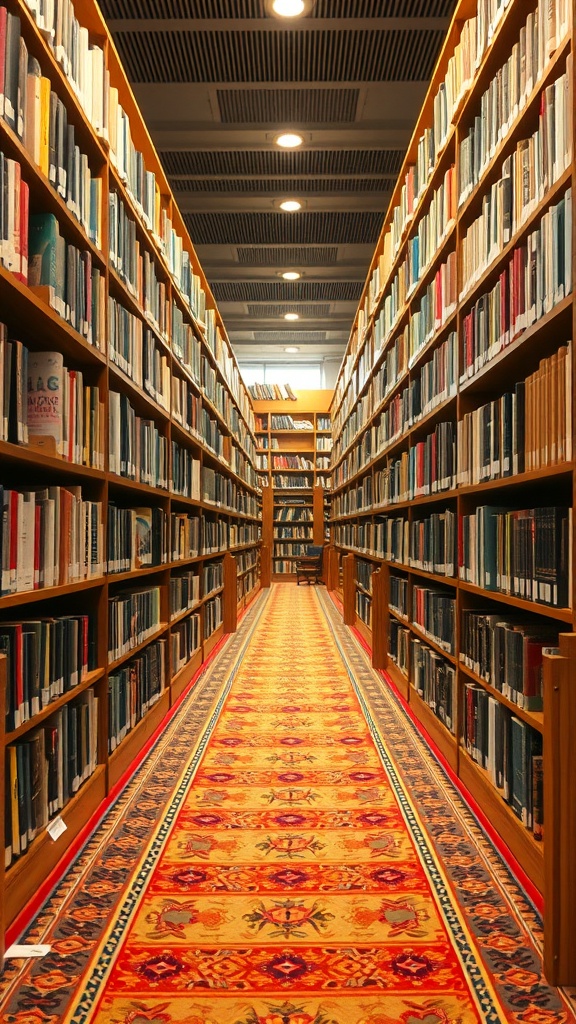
(23, 780)
(11, 70)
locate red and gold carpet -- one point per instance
(293, 877)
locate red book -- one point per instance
(22, 274)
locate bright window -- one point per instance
(300, 376)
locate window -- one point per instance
(300, 376)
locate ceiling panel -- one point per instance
(272, 106)
(278, 228)
(285, 56)
(267, 256)
(235, 9)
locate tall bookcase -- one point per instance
(130, 545)
(453, 458)
(293, 459)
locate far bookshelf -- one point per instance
(294, 442)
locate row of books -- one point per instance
(537, 162)
(184, 641)
(136, 267)
(46, 658)
(140, 537)
(136, 448)
(39, 118)
(133, 616)
(363, 603)
(50, 536)
(272, 392)
(246, 584)
(297, 481)
(434, 612)
(291, 462)
(282, 566)
(186, 344)
(133, 689)
(223, 491)
(434, 679)
(432, 545)
(506, 651)
(398, 595)
(184, 592)
(42, 398)
(537, 277)
(186, 472)
(46, 768)
(433, 228)
(510, 751)
(134, 348)
(399, 644)
(323, 444)
(291, 549)
(245, 561)
(279, 422)
(522, 552)
(526, 429)
(293, 533)
(364, 572)
(212, 576)
(293, 513)
(212, 616)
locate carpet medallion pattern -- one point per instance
(295, 878)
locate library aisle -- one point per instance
(289, 853)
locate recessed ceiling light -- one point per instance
(291, 275)
(290, 205)
(292, 349)
(288, 8)
(291, 316)
(289, 140)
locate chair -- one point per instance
(309, 566)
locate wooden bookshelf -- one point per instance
(307, 447)
(185, 388)
(415, 389)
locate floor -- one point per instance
(289, 853)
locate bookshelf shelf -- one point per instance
(151, 334)
(504, 383)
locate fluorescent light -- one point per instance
(291, 275)
(288, 8)
(290, 205)
(289, 140)
(291, 316)
(292, 349)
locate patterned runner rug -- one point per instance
(312, 866)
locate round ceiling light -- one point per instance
(289, 140)
(292, 349)
(291, 275)
(288, 8)
(291, 316)
(290, 205)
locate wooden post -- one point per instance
(560, 813)
(265, 566)
(230, 596)
(318, 515)
(330, 567)
(380, 616)
(349, 567)
(3, 685)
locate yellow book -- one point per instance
(44, 126)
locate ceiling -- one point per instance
(216, 80)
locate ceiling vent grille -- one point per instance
(287, 337)
(279, 186)
(288, 106)
(265, 256)
(257, 9)
(270, 164)
(358, 228)
(312, 311)
(285, 291)
(290, 56)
